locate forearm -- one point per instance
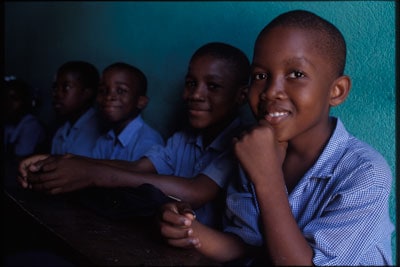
(196, 191)
(217, 245)
(285, 243)
(141, 165)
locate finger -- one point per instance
(47, 164)
(170, 231)
(189, 242)
(171, 206)
(175, 218)
(23, 169)
(189, 213)
(27, 164)
(43, 177)
(185, 208)
(49, 187)
(22, 181)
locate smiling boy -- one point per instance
(121, 98)
(308, 192)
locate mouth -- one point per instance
(110, 108)
(276, 117)
(57, 105)
(197, 110)
(273, 115)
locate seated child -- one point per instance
(121, 98)
(308, 192)
(195, 163)
(74, 93)
(24, 134)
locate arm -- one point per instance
(141, 165)
(261, 156)
(68, 174)
(180, 229)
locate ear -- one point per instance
(340, 90)
(242, 95)
(142, 102)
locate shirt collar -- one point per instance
(221, 141)
(84, 118)
(332, 153)
(128, 132)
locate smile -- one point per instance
(277, 114)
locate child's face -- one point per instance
(118, 98)
(14, 106)
(69, 96)
(211, 93)
(291, 81)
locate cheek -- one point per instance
(253, 99)
(185, 93)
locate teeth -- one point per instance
(277, 114)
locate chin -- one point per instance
(198, 124)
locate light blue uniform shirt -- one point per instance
(341, 205)
(23, 139)
(185, 156)
(78, 139)
(131, 144)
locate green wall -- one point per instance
(160, 37)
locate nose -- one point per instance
(109, 93)
(273, 89)
(198, 92)
(56, 92)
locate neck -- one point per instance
(214, 131)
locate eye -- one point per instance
(121, 90)
(260, 76)
(190, 83)
(296, 74)
(67, 87)
(213, 86)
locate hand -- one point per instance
(176, 225)
(29, 165)
(260, 153)
(61, 174)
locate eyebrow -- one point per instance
(301, 60)
(117, 83)
(293, 60)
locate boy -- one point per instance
(74, 93)
(308, 192)
(24, 133)
(121, 97)
(195, 163)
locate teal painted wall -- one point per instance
(160, 37)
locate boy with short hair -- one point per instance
(74, 94)
(121, 98)
(194, 165)
(308, 193)
(24, 133)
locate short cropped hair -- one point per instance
(330, 40)
(23, 89)
(134, 71)
(87, 73)
(235, 57)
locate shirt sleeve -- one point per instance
(221, 169)
(353, 226)
(164, 158)
(31, 135)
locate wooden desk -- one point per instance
(90, 239)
